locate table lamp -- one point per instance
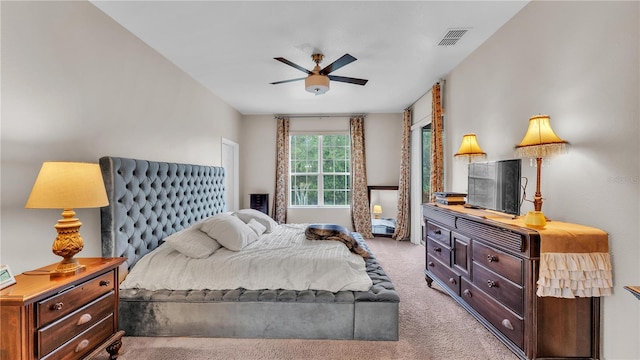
(68, 186)
(539, 142)
(377, 210)
(470, 148)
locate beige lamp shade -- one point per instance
(469, 147)
(540, 140)
(68, 185)
(377, 209)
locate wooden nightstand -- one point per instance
(69, 317)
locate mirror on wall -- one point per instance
(383, 204)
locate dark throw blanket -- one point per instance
(337, 233)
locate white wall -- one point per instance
(579, 63)
(77, 86)
(383, 135)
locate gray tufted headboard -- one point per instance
(150, 200)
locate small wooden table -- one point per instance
(635, 290)
(69, 317)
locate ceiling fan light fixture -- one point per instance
(317, 84)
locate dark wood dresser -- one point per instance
(70, 317)
(491, 270)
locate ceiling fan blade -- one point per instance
(283, 60)
(349, 80)
(286, 81)
(344, 60)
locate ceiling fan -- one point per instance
(317, 81)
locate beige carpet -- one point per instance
(432, 326)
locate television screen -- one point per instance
(495, 185)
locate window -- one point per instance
(319, 168)
(426, 163)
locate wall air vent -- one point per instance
(452, 36)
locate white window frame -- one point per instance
(320, 174)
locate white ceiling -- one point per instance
(229, 46)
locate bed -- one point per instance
(383, 226)
(150, 201)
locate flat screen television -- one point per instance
(495, 185)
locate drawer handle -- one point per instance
(506, 323)
(57, 306)
(82, 345)
(467, 293)
(437, 249)
(492, 258)
(105, 283)
(452, 280)
(437, 232)
(85, 318)
(491, 283)
(431, 264)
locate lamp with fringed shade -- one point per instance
(539, 142)
(470, 148)
(68, 186)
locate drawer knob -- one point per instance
(492, 258)
(82, 345)
(57, 306)
(467, 293)
(437, 232)
(85, 318)
(431, 264)
(437, 249)
(491, 283)
(452, 280)
(506, 323)
(105, 283)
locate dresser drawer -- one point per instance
(439, 233)
(498, 287)
(444, 273)
(507, 265)
(69, 300)
(508, 323)
(69, 326)
(82, 344)
(439, 251)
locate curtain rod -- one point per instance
(317, 115)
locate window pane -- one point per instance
(304, 190)
(426, 162)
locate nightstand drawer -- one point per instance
(82, 344)
(66, 328)
(69, 300)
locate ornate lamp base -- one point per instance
(68, 243)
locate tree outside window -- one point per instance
(320, 170)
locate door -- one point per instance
(231, 163)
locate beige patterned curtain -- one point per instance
(360, 214)
(281, 197)
(403, 225)
(436, 143)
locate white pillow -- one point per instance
(192, 242)
(257, 227)
(229, 231)
(247, 214)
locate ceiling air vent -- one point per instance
(452, 36)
